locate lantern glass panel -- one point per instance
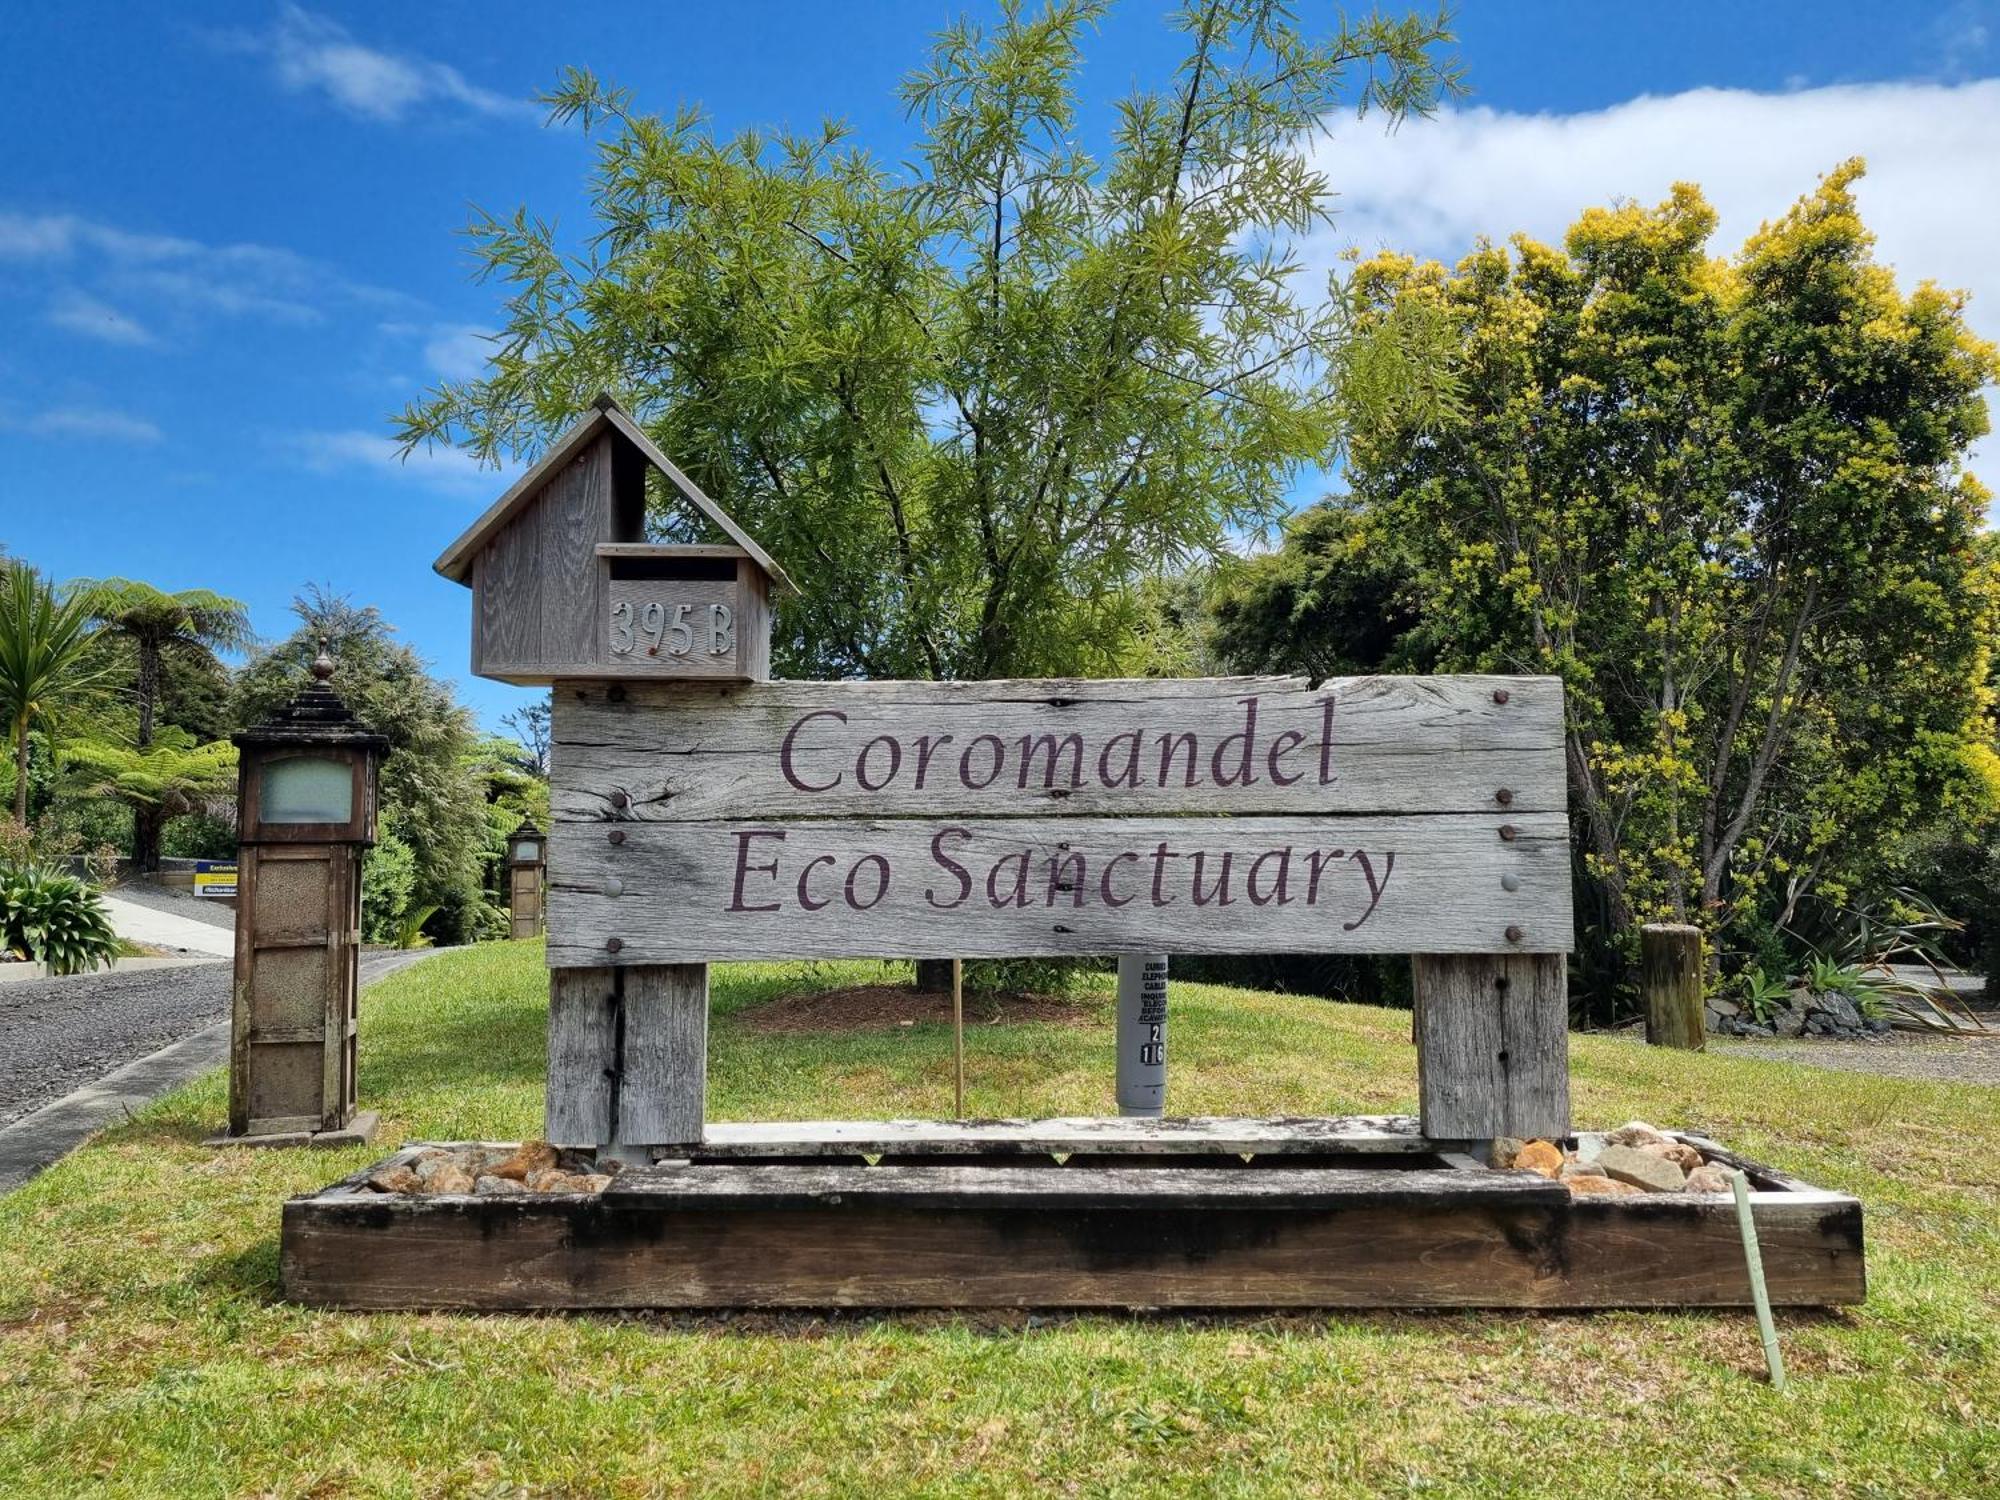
(527, 851)
(303, 789)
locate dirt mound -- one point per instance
(878, 1007)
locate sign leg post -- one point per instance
(628, 1055)
(1492, 1045)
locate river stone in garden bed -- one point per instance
(494, 1171)
(1634, 1158)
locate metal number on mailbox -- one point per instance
(655, 627)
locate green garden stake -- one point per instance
(1754, 1258)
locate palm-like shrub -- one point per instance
(55, 919)
(45, 654)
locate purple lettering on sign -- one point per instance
(744, 867)
(791, 736)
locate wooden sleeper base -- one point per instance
(1107, 1214)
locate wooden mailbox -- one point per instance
(566, 586)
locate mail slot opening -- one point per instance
(674, 569)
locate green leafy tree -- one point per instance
(976, 401)
(188, 626)
(46, 657)
(169, 778)
(1724, 501)
(1338, 597)
(428, 797)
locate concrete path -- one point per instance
(165, 929)
(46, 1036)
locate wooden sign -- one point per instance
(702, 822)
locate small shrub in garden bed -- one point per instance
(54, 919)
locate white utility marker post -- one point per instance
(1142, 1035)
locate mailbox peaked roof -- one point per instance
(606, 414)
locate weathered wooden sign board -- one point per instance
(819, 820)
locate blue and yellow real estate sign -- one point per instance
(215, 877)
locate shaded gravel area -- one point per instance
(60, 1034)
(178, 902)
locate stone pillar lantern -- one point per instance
(306, 795)
(527, 858)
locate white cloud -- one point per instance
(449, 471)
(184, 278)
(313, 54)
(459, 353)
(1436, 185)
(79, 312)
(99, 423)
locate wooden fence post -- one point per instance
(1492, 1045)
(1670, 983)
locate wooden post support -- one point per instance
(1492, 1045)
(1670, 982)
(628, 1055)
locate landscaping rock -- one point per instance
(1789, 1020)
(1540, 1157)
(530, 1156)
(1679, 1153)
(592, 1182)
(1709, 1178)
(448, 1178)
(498, 1187)
(1503, 1151)
(1642, 1169)
(1574, 1169)
(1636, 1133)
(395, 1180)
(1838, 1010)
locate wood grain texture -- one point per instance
(507, 601)
(856, 1236)
(887, 892)
(663, 1084)
(574, 514)
(1081, 1135)
(1492, 1045)
(1398, 744)
(1670, 985)
(583, 1056)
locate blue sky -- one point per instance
(229, 250)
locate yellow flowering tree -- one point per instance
(1724, 500)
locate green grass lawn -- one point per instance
(143, 1350)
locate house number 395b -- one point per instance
(655, 628)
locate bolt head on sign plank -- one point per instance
(702, 822)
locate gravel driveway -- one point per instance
(60, 1034)
(1901, 1055)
